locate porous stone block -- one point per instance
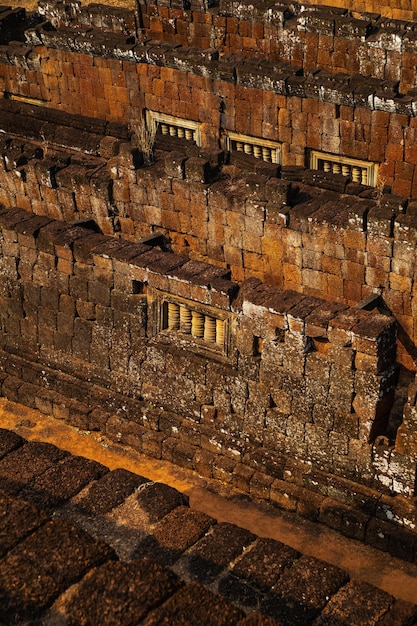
(149, 580)
(208, 607)
(60, 483)
(27, 462)
(9, 441)
(308, 577)
(358, 599)
(214, 552)
(35, 567)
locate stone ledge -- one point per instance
(54, 235)
(279, 78)
(354, 510)
(327, 20)
(298, 200)
(53, 127)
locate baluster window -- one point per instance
(357, 171)
(200, 325)
(171, 126)
(263, 149)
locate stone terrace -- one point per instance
(71, 527)
(284, 394)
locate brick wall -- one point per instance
(405, 10)
(295, 380)
(301, 388)
(355, 117)
(339, 245)
(325, 38)
(330, 38)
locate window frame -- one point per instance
(159, 301)
(275, 147)
(369, 167)
(155, 119)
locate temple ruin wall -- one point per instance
(107, 335)
(323, 243)
(241, 318)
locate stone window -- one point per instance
(260, 148)
(173, 126)
(200, 327)
(358, 171)
(199, 324)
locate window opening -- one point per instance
(173, 126)
(358, 171)
(264, 149)
(25, 99)
(192, 322)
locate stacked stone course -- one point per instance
(311, 274)
(353, 110)
(337, 243)
(306, 383)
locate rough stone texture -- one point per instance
(27, 462)
(61, 482)
(204, 562)
(304, 590)
(134, 203)
(174, 534)
(9, 441)
(264, 563)
(193, 603)
(281, 382)
(143, 202)
(157, 500)
(43, 565)
(364, 605)
(129, 592)
(109, 491)
(18, 519)
(56, 573)
(88, 325)
(257, 572)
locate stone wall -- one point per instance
(118, 310)
(399, 10)
(332, 39)
(293, 393)
(318, 235)
(304, 104)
